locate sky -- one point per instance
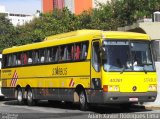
(21, 6)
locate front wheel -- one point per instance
(83, 101)
(126, 106)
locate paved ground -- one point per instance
(45, 110)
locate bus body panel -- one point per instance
(58, 76)
(128, 80)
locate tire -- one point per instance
(83, 101)
(126, 106)
(30, 100)
(19, 96)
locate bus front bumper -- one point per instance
(118, 97)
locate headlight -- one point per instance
(152, 88)
(113, 88)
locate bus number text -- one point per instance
(115, 80)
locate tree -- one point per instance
(7, 32)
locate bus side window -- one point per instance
(84, 50)
(25, 58)
(41, 55)
(53, 54)
(14, 60)
(56, 54)
(62, 53)
(65, 53)
(18, 59)
(69, 52)
(35, 56)
(9, 60)
(48, 55)
(21, 58)
(72, 52)
(30, 58)
(77, 52)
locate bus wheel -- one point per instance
(126, 106)
(83, 101)
(19, 96)
(30, 100)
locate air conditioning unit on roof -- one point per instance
(156, 16)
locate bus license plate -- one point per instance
(133, 99)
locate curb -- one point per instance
(152, 107)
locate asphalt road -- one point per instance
(44, 110)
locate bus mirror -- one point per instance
(103, 52)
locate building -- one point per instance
(75, 6)
(2, 8)
(18, 19)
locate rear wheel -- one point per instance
(19, 96)
(83, 101)
(30, 100)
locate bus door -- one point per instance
(95, 72)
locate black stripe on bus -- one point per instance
(47, 88)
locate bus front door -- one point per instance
(96, 92)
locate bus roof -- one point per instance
(125, 35)
(73, 34)
(77, 36)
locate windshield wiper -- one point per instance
(123, 69)
(144, 67)
(144, 70)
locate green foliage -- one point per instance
(107, 16)
(7, 32)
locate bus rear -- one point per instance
(128, 71)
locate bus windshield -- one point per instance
(127, 56)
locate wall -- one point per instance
(81, 5)
(70, 5)
(47, 6)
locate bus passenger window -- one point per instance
(35, 56)
(25, 58)
(29, 57)
(9, 60)
(41, 55)
(69, 52)
(56, 55)
(14, 60)
(72, 53)
(84, 51)
(18, 60)
(53, 54)
(65, 53)
(48, 55)
(62, 55)
(77, 52)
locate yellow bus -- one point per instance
(84, 67)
